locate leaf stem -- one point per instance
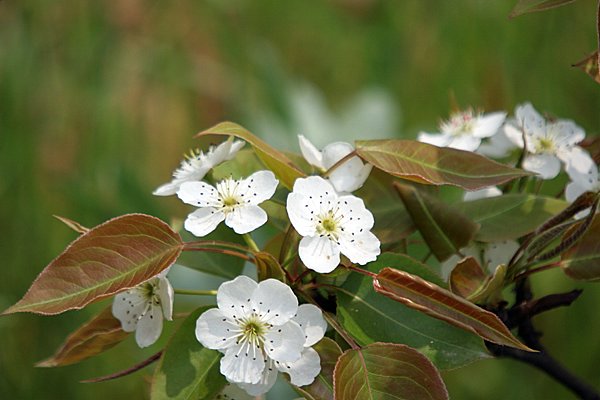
(127, 371)
(340, 162)
(250, 242)
(222, 251)
(216, 243)
(361, 271)
(196, 292)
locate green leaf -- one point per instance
(370, 317)
(444, 229)
(437, 302)
(582, 261)
(510, 216)
(529, 6)
(94, 337)
(217, 264)
(425, 163)
(186, 369)
(119, 254)
(387, 371)
(276, 161)
(322, 387)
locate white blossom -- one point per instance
(346, 178)
(465, 130)
(491, 191)
(233, 201)
(548, 143)
(141, 309)
(197, 165)
(488, 255)
(260, 329)
(581, 183)
(330, 224)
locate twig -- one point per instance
(127, 371)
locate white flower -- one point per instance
(261, 329)
(197, 165)
(346, 178)
(548, 143)
(235, 201)
(581, 183)
(488, 255)
(141, 309)
(484, 193)
(330, 224)
(465, 130)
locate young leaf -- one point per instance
(529, 6)
(387, 371)
(268, 267)
(76, 226)
(582, 261)
(273, 159)
(433, 300)
(590, 65)
(186, 369)
(425, 163)
(466, 277)
(444, 229)
(118, 254)
(510, 216)
(322, 387)
(94, 337)
(370, 317)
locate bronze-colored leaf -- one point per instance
(94, 337)
(268, 267)
(118, 254)
(440, 303)
(466, 277)
(76, 226)
(582, 261)
(529, 6)
(589, 65)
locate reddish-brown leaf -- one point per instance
(440, 303)
(94, 337)
(268, 267)
(582, 261)
(276, 161)
(76, 226)
(589, 65)
(466, 277)
(118, 254)
(387, 371)
(529, 6)
(425, 163)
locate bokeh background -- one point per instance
(99, 100)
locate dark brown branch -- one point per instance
(127, 371)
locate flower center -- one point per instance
(459, 124)
(228, 195)
(253, 330)
(544, 145)
(329, 225)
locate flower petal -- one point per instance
(484, 193)
(580, 166)
(274, 301)
(314, 187)
(167, 189)
(165, 292)
(497, 253)
(127, 308)
(203, 221)
(199, 194)
(487, 125)
(258, 187)
(284, 343)
(513, 134)
(305, 370)
(529, 119)
(242, 364)
(149, 326)
(268, 379)
(436, 139)
(465, 142)
(574, 190)
(310, 153)
(334, 152)
(246, 218)
(215, 331)
(233, 297)
(319, 253)
(355, 216)
(547, 166)
(350, 176)
(361, 248)
(301, 211)
(310, 319)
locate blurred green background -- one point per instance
(99, 100)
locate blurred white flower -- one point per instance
(330, 224)
(141, 309)
(261, 329)
(488, 255)
(197, 165)
(581, 183)
(465, 130)
(484, 193)
(234, 201)
(347, 177)
(548, 143)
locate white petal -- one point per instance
(350, 176)
(513, 134)
(167, 189)
(547, 166)
(305, 370)
(127, 308)
(580, 166)
(199, 194)
(488, 124)
(301, 211)
(242, 364)
(529, 119)
(223, 152)
(268, 379)
(310, 153)
(334, 152)
(436, 139)
(361, 248)
(203, 221)
(258, 187)
(310, 319)
(484, 193)
(355, 216)
(314, 187)
(235, 147)
(214, 330)
(284, 343)
(465, 142)
(149, 326)
(246, 218)
(572, 191)
(566, 132)
(499, 253)
(274, 301)
(319, 253)
(233, 297)
(165, 293)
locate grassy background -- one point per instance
(98, 100)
